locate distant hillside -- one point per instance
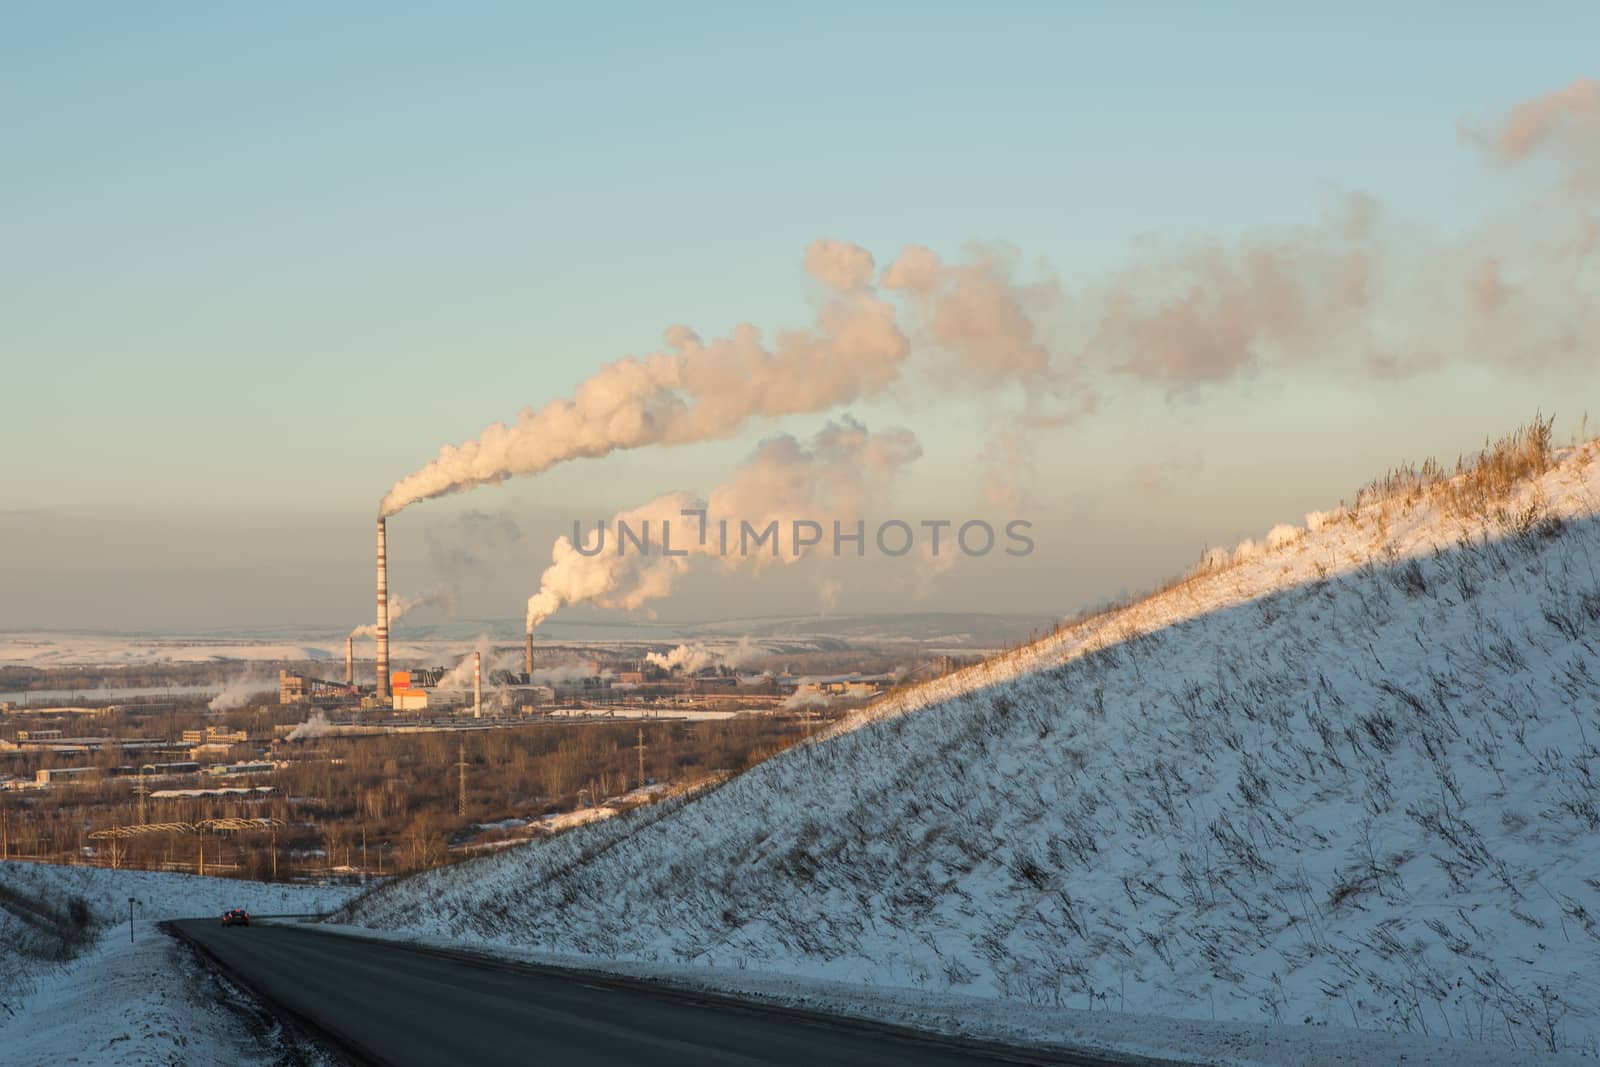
(1347, 775)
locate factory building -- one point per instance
(301, 689)
(48, 775)
(407, 697)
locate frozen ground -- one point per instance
(122, 1002)
(1343, 778)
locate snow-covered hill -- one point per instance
(1345, 776)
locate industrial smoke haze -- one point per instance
(833, 476)
(1359, 292)
(400, 606)
(237, 693)
(696, 391)
(693, 391)
(316, 726)
(692, 658)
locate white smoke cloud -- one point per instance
(978, 311)
(692, 658)
(1564, 122)
(686, 658)
(1355, 293)
(832, 477)
(316, 726)
(460, 676)
(400, 606)
(237, 693)
(564, 673)
(693, 391)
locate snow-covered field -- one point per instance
(1343, 778)
(122, 1001)
(437, 642)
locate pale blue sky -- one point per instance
(256, 263)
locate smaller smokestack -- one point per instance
(527, 656)
(477, 685)
(350, 660)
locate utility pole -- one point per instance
(461, 764)
(641, 757)
(130, 920)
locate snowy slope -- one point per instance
(130, 1001)
(1346, 777)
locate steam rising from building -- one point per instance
(692, 658)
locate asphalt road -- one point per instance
(391, 1004)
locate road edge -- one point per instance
(335, 1046)
(1032, 1053)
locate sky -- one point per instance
(261, 263)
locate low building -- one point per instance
(52, 775)
(241, 768)
(217, 734)
(410, 699)
(219, 791)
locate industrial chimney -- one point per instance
(527, 657)
(383, 618)
(477, 685)
(350, 660)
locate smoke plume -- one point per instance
(316, 726)
(237, 693)
(399, 606)
(1352, 294)
(693, 391)
(692, 658)
(832, 477)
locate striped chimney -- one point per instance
(383, 617)
(477, 684)
(350, 660)
(527, 656)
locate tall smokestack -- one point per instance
(383, 617)
(350, 660)
(527, 656)
(477, 685)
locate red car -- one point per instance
(236, 917)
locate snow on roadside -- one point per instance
(143, 1001)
